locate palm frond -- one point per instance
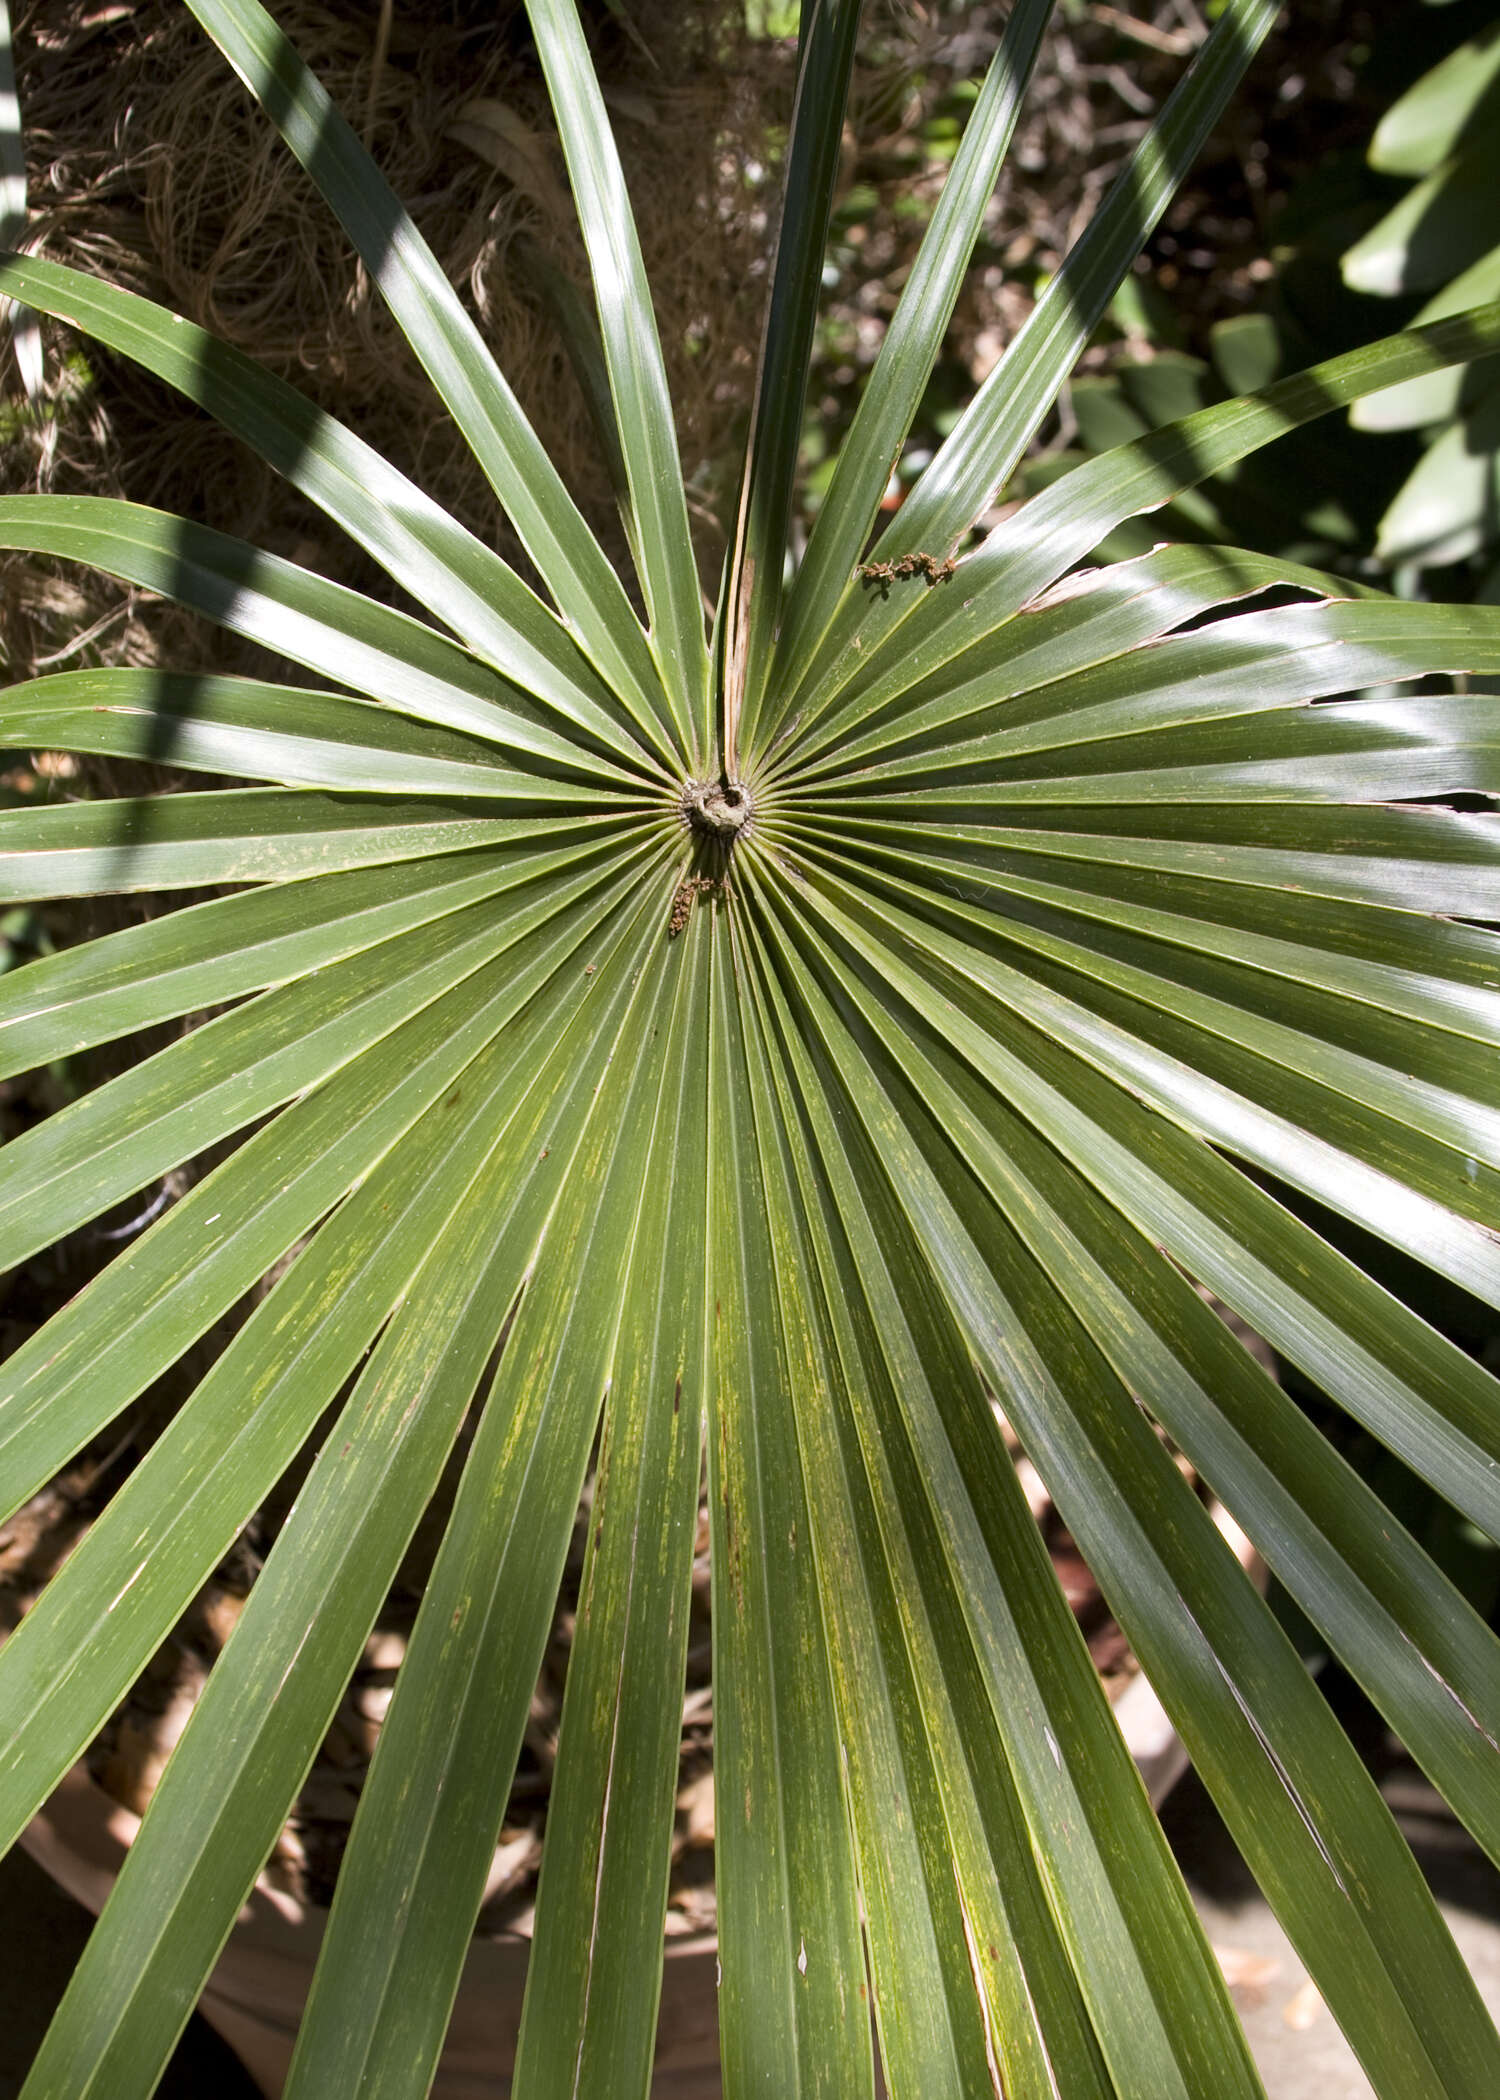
(1042, 951)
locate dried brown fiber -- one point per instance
(150, 166)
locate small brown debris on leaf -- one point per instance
(885, 573)
(682, 903)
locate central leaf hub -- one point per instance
(719, 809)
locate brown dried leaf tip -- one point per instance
(885, 573)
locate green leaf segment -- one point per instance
(769, 1068)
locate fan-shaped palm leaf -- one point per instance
(781, 1074)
